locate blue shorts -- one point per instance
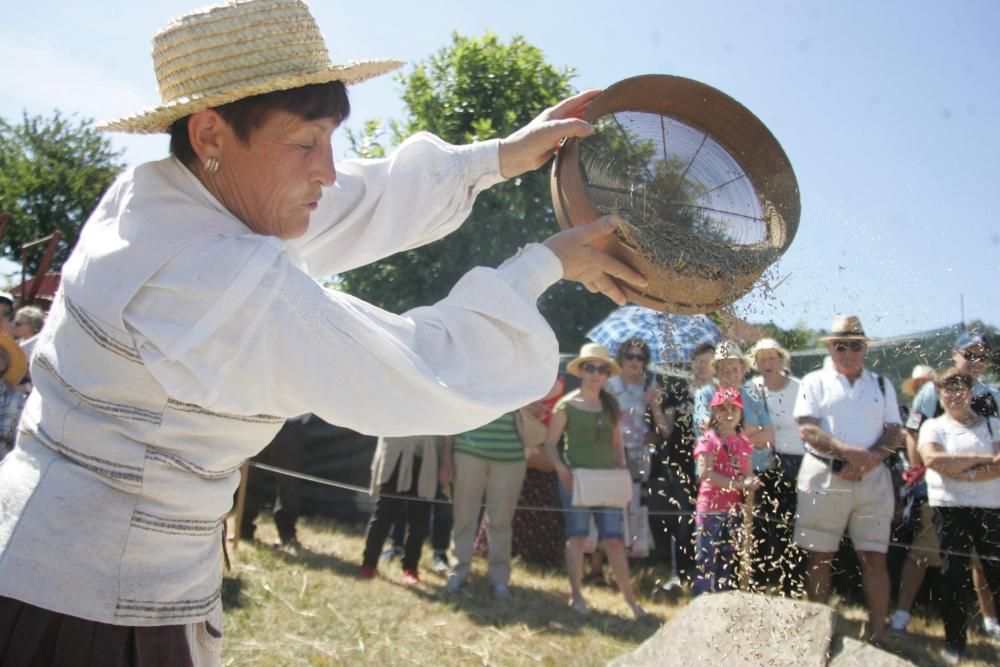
(577, 519)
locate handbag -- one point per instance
(530, 429)
(601, 487)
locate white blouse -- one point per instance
(957, 438)
(180, 341)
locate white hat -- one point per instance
(593, 352)
(768, 344)
(728, 349)
(921, 374)
(225, 53)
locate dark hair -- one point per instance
(702, 349)
(610, 404)
(628, 345)
(953, 376)
(312, 102)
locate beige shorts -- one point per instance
(926, 547)
(827, 505)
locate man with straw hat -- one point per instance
(849, 421)
(189, 326)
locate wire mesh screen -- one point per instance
(684, 200)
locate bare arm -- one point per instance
(956, 465)
(706, 463)
(556, 427)
(761, 437)
(859, 461)
(618, 447)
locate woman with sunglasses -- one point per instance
(588, 419)
(960, 450)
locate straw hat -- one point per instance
(17, 363)
(768, 344)
(846, 327)
(228, 52)
(728, 349)
(921, 374)
(593, 352)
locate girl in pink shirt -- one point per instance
(723, 461)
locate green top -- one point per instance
(588, 437)
(496, 441)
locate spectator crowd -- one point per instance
(733, 473)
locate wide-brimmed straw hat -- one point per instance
(17, 363)
(225, 53)
(593, 352)
(768, 344)
(921, 373)
(846, 327)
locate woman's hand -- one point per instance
(445, 474)
(584, 263)
(565, 478)
(532, 146)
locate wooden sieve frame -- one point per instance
(732, 126)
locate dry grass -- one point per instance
(310, 610)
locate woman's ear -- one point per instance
(207, 132)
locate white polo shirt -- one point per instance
(855, 414)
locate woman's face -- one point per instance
(701, 367)
(769, 362)
(634, 361)
(955, 398)
(730, 372)
(274, 182)
(594, 373)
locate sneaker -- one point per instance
(501, 591)
(900, 619)
(411, 577)
(950, 657)
(454, 583)
(580, 607)
(440, 562)
(594, 579)
(991, 628)
(366, 572)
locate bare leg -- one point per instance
(987, 605)
(615, 550)
(619, 566)
(875, 581)
(574, 567)
(910, 581)
(819, 576)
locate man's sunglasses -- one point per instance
(600, 369)
(635, 357)
(975, 356)
(853, 346)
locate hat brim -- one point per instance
(17, 365)
(824, 339)
(159, 119)
(573, 367)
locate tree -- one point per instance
(52, 174)
(478, 89)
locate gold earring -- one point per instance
(212, 165)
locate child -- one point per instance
(723, 457)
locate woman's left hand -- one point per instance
(532, 146)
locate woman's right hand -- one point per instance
(445, 474)
(589, 266)
(565, 478)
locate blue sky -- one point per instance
(885, 109)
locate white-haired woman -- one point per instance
(783, 561)
(189, 326)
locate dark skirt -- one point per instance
(30, 635)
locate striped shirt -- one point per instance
(496, 441)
